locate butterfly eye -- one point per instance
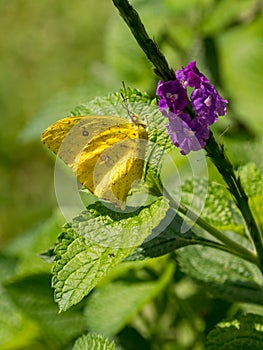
(85, 133)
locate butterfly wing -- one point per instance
(106, 153)
(116, 157)
(68, 136)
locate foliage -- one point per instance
(154, 276)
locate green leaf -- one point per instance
(93, 341)
(217, 207)
(94, 243)
(111, 306)
(225, 276)
(251, 179)
(113, 104)
(34, 296)
(170, 238)
(243, 333)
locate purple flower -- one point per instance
(207, 103)
(172, 96)
(190, 76)
(190, 133)
(186, 133)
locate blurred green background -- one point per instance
(58, 54)
(48, 50)
(55, 55)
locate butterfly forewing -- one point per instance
(106, 153)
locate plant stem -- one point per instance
(224, 166)
(131, 17)
(241, 254)
(231, 246)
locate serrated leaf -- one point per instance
(251, 179)
(113, 104)
(112, 306)
(93, 341)
(219, 209)
(94, 243)
(170, 238)
(33, 295)
(225, 276)
(243, 333)
(113, 229)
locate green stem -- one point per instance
(231, 246)
(131, 17)
(248, 256)
(224, 166)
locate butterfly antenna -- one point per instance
(133, 117)
(124, 96)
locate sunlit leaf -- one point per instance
(96, 241)
(244, 332)
(93, 341)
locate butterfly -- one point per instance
(106, 153)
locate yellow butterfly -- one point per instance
(106, 153)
